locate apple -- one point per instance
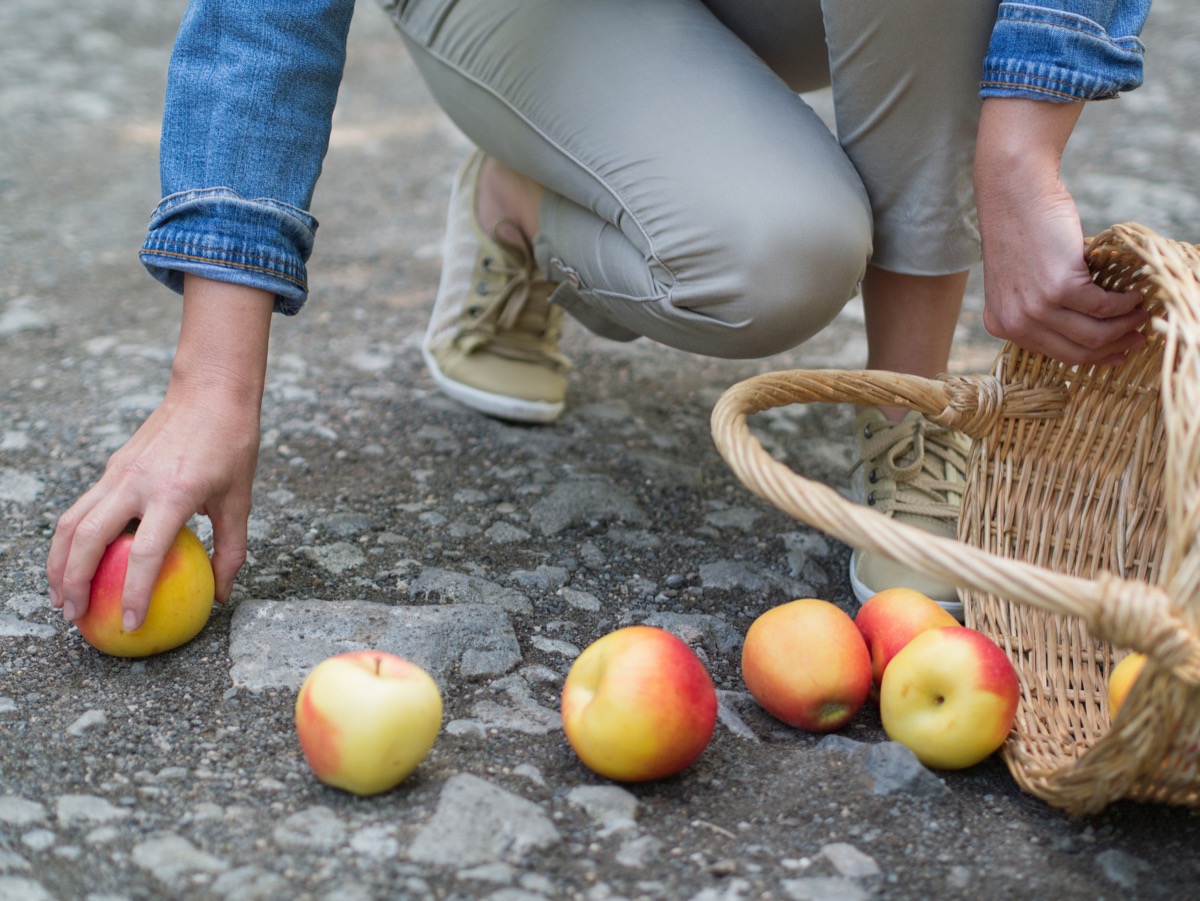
(950, 695)
(365, 719)
(891, 619)
(180, 603)
(638, 704)
(806, 663)
(1121, 680)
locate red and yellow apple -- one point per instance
(180, 604)
(365, 719)
(950, 695)
(806, 663)
(1121, 680)
(891, 619)
(638, 704)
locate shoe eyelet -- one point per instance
(873, 478)
(482, 289)
(486, 264)
(474, 311)
(867, 433)
(871, 499)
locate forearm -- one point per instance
(221, 358)
(1020, 143)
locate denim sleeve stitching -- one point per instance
(1028, 87)
(195, 258)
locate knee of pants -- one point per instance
(779, 280)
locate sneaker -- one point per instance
(492, 342)
(913, 471)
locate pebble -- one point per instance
(17, 811)
(39, 839)
(578, 502)
(580, 600)
(92, 719)
(477, 822)
(172, 859)
(317, 828)
(612, 808)
(375, 841)
(22, 315)
(462, 588)
(13, 627)
(19, 487)
(849, 861)
(18, 888)
(275, 644)
(824, 888)
(73, 810)
(1122, 868)
(891, 767)
(250, 883)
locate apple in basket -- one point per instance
(181, 600)
(1121, 680)
(891, 619)
(950, 695)
(806, 663)
(365, 719)
(638, 704)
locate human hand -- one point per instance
(196, 453)
(1038, 290)
(188, 457)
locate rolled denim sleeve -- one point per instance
(1065, 50)
(250, 94)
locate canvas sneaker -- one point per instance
(913, 471)
(492, 342)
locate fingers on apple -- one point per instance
(229, 551)
(180, 604)
(151, 541)
(90, 537)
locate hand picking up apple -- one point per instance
(950, 696)
(807, 664)
(180, 603)
(365, 719)
(891, 619)
(638, 704)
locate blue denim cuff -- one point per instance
(218, 234)
(1051, 53)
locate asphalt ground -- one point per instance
(380, 505)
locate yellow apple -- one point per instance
(365, 719)
(891, 619)
(1121, 680)
(180, 603)
(950, 695)
(638, 704)
(806, 663)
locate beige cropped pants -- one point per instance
(693, 197)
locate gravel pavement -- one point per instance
(387, 516)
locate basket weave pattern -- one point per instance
(1079, 534)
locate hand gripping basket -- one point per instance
(1079, 533)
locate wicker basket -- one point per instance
(1079, 535)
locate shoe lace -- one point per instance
(924, 461)
(518, 321)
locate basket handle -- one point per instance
(1131, 614)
